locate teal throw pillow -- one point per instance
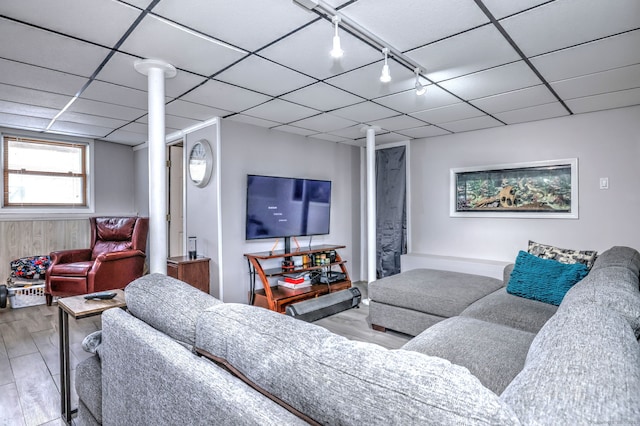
(545, 280)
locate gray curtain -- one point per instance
(391, 223)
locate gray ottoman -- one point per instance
(414, 300)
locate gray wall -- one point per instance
(114, 179)
(247, 149)
(141, 180)
(607, 144)
(201, 215)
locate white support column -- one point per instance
(156, 71)
(371, 201)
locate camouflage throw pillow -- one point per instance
(543, 251)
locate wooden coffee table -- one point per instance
(78, 307)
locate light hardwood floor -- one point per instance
(30, 366)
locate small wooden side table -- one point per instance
(78, 307)
(191, 271)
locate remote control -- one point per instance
(103, 295)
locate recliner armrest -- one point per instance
(118, 255)
(70, 256)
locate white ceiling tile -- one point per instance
(27, 110)
(264, 77)
(98, 21)
(353, 132)
(601, 55)
(493, 81)
(322, 97)
(365, 112)
(561, 24)
(104, 109)
(534, 113)
(179, 48)
(448, 113)
(366, 82)
(516, 99)
(124, 137)
(172, 122)
(33, 97)
(42, 48)
(469, 124)
(142, 4)
(254, 121)
(295, 130)
(23, 122)
(324, 123)
(80, 129)
(605, 101)
(601, 82)
(312, 45)
(115, 94)
(248, 24)
(94, 120)
(328, 137)
(390, 137)
(225, 96)
(194, 111)
(500, 8)
(119, 71)
(408, 102)
(23, 75)
(424, 132)
(412, 23)
(465, 53)
(280, 111)
(139, 128)
(398, 123)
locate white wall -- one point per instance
(247, 149)
(607, 144)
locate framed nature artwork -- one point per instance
(520, 190)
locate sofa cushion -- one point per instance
(334, 380)
(543, 279)
(493, 353)
(168, 305)
(568, 256)
(614, 288)
(89, 385)
(625, 257)
(503, 308)
(75, 269)
(441, 293)
(583, 367)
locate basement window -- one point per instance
(40, 174)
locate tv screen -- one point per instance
(287, 207)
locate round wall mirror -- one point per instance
(200, 163)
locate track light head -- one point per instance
(420, 88)
(336, 51)
(385, 77)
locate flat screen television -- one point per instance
(287, 207)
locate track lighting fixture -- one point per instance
(420, 89)
(336, 51)
(385, 77)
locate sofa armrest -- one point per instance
(506, 273)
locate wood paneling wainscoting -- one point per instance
(39, 237)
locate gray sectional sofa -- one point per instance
(178, 356)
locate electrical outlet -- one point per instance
(604, 183)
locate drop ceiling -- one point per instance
(67, 66)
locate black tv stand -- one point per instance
(287, 247)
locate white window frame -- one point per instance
(50, 212)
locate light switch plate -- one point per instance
(604, 183)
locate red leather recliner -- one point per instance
(116, 258)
